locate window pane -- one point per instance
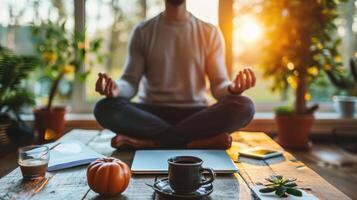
(114, 21)
(17, 18)
(249, 34)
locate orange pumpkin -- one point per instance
(108, 176)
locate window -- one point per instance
(248, 33)
(17, 18)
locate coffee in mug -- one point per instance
(185, 174)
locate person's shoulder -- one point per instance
(206, 26)
(147, 24)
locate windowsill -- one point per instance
(258, 116)
(325, 123)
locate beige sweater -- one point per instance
(168, 61)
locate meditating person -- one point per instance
(168, 60)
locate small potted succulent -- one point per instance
(63, 56)
(282, 187)
(346, 84)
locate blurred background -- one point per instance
(113, 21)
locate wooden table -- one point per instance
(72, 184)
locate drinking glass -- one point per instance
(33, 161)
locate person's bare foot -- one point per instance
(221, 141)
(121, 141)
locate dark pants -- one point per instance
(174, 126)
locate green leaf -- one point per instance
(290, 185)
(294, 192)
(280, 191)
(267, 190)
(83, 76)
(272, 180)
(284, 110)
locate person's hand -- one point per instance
(106, 86)
(244, 80)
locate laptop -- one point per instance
(155, 161)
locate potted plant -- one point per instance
(346, 83)
(281, 187)
(14, 70)
(300, 41)
(63, 55)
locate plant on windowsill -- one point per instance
(14, 70)
(64, 54)
(282, 187)
(346, 83)
(300, 42)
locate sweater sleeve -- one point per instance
(216, 67)
(134, 67)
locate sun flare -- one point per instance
(249, 30)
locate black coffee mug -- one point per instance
(185, 174)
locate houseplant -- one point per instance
(281, 186)
(346, 83)
(63, 56)
(301, 40)
(14, 70)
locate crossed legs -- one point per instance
(174, 127)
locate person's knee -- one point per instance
(104, 107)
(241, 108)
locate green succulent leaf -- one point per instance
(294, 192)
(281, 186)
(280, 191)
(267, 190)
(290, 185)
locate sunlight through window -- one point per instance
(249, 30)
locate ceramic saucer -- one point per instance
(163, 187)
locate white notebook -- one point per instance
(155, 161)
(70, 154)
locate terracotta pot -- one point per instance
(49, 124)
(294, 131)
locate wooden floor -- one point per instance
(330, 161)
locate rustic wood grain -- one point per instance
(13, 187)
(225, 187)
(137, 190)
(72, 184)
(254, 171)
(332, 163)
(63, 184)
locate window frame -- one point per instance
(79, 101)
